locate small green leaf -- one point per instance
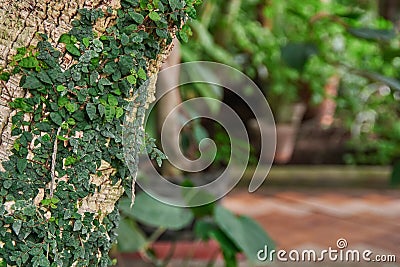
(16, 226)
(119, 112)
(138, 18)
(124, 39)
(65, 38)
(109, 113)
(176, 4)
(77, 226)
(154, 16)
(69, 161)
(62, 101)
(91, 111)
(73, 50)
(31, 82)
(60, 88)
(44, 77)
(56, 118)
(131, 79)
(71, 121)
(71, 107)
(62, 138)
(5, 76)
(29, 62)
(21, 165)
(142, 74)
(86, 42)
(112, 100)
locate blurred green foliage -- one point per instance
(291, 48)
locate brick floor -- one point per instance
(367, 218)
(316, 218)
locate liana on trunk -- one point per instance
(64, 97)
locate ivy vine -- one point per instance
(69, 131)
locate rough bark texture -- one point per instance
(19, 23)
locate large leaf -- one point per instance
(244, 232)
(395, 177)
(373, 34)
(130, 238)
(296, 55)
(152, 212)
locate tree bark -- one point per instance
(20, 21)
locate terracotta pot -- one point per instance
(286, 133)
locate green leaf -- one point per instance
(176, 4)
(56, 118)
(296, 55)
(21, 165)
(16, 226)
(44, 77)
(31, 82)
(138, 18)
(69, 161)
(62, 138)
(155, 213)
(71, 107)
(373, 34)
(131, 79)
(71, 121)
(112, 100)
(86, 42)
(142, 74)
(245, 233)
(154, 16)
(395, 177)
(29, 62)
(130, 237)
(77, 225)
(119, 112)
(109, 113)
(60, 88)
(91, 111)
(73, 50)
(5, 76)
(124, 39)
(62, 101)
(65, 38)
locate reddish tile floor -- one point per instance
(316, 218)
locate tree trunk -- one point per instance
(19, 23)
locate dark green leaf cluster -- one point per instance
(68, 125)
